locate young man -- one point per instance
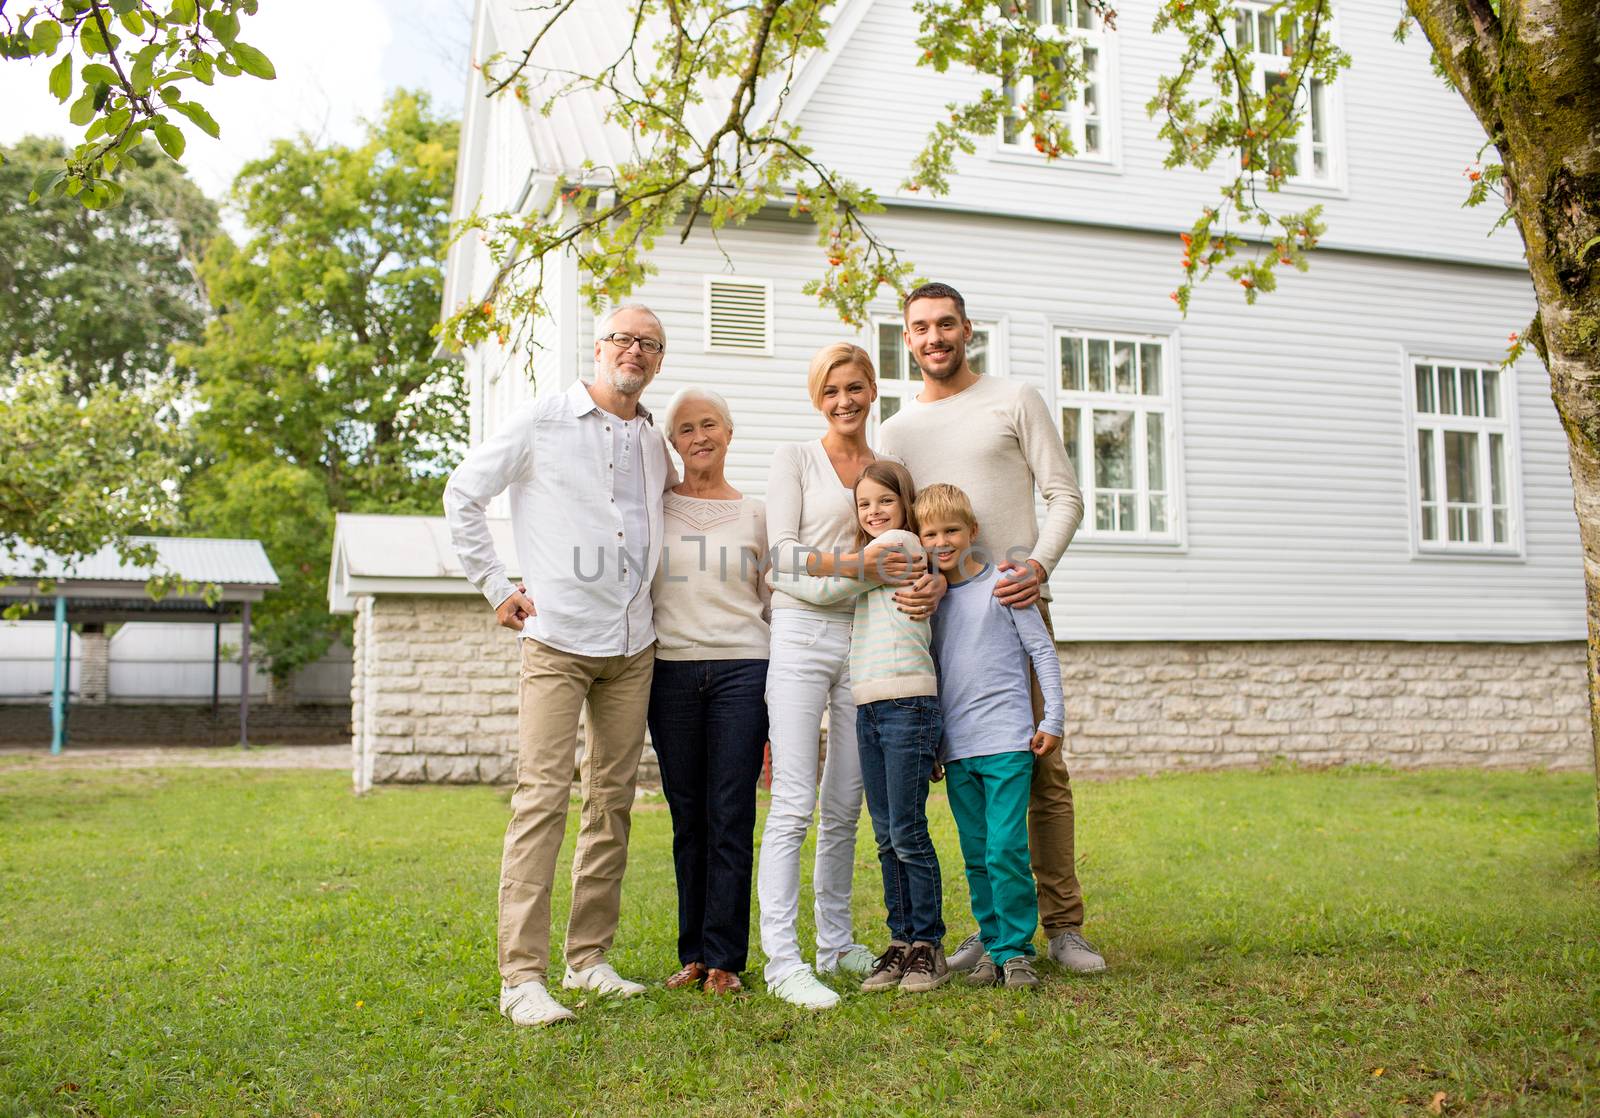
(994, 437)
(586, 471)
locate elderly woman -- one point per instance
(708, 714)
(811, 526)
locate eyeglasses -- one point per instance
(625, 341)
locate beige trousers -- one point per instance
(554, 687)
(1050, 829)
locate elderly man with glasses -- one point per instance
(586, 471)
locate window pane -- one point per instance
(1457, 520)
(889, 349)
(887, 406)
(1158, 512)
(1474, 525)
(1072, 364)
(1085, 15)
(1461, 467)
(1113, 450)
(1127, 513)
(1425, 464)
(1061, 13)
(1099, 365)
(1502, 527)
(1291, 165)
(1126, 369)
(1105, 514)
(1469, 391)
(1156, 450)
(1069, 436)
(1425, 388)
(1430, 525)
(1497, 470)
(1491, 393)
(1091, 139)
(1091, 92)
(1266, 37)
(1244, 29)
(1447, 391)
(977, 353)
(1150, 369)
(1318, 128)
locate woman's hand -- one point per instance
(891, 564)
(921, 598)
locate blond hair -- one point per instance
(829, 358)
(941, 503)
(896, 479)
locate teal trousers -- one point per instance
(989, 798)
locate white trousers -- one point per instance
(809, 673)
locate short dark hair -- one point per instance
(936, 291)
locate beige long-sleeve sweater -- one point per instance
(997, 442)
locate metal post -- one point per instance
(244, 679)
(216, 666)
(58, 692)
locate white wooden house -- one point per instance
(1324, 527)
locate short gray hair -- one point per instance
(690, 395)
(602, 326)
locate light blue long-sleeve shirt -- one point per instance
(983, 650)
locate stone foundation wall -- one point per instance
(435, 699)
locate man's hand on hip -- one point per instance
(516, 609)
(1019, 590)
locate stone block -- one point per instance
(389, 768)
(452, 770)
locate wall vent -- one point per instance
(738, 315)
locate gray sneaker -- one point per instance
(925, 969)
(984, 974)
(887, 968)
(1019, 973)
(965, 957)
(1075, 953)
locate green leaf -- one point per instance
(183, 11)
(200, 66)
(143, 74)
(46, 37)
(170, 139)
(224, 25)
(44, 183)
(97, 74)
(198, 114)
(133, 21)
(82, 111)
(227, 67)
(61, 78)
(252, 61)
(93, 42)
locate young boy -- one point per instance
(983, 650)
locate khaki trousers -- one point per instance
(1050, 829)
(554, 687)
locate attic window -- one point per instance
(738, 315)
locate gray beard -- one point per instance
(629, 384)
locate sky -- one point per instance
(336, 60)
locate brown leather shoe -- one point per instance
(722, 982)
(692, 974)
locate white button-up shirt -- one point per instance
(585, 490)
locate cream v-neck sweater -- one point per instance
(710, 591)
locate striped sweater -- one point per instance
(890, 655)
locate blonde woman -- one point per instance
(811, 527)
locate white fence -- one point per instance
(152, 661)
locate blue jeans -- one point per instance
(708, 721)
(899, 740)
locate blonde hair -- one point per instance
(829, 358)
(896, 479)
(944, 502)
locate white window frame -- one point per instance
(1437, 423)
(902, 386)
(1102, 79)
(1164, 404)
(1322, 105)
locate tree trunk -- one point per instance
(1530, 71)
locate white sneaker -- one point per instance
(854, 960)
(1075, 953)
(531, 1004)
(602, 980)
(804, 989)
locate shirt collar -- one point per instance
(582, 403)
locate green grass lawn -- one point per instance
(1288, 942)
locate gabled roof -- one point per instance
(225, 563)
(376, 554)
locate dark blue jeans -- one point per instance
(899, 741)
(708, 721)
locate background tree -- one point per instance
(318, 386)
(102, 293)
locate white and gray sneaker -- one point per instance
(531, 1004)
(855, 961)
(603, 980)
(804, 989)
(1076, 954)
(965, 957)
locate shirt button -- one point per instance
(619, 535)
(610, 466)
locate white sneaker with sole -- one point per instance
(603, 980)
(804, 989)
(531, 1004)
(855, 960)
(1075, 953)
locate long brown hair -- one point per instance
(895, 478)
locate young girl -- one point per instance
(898, 726)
